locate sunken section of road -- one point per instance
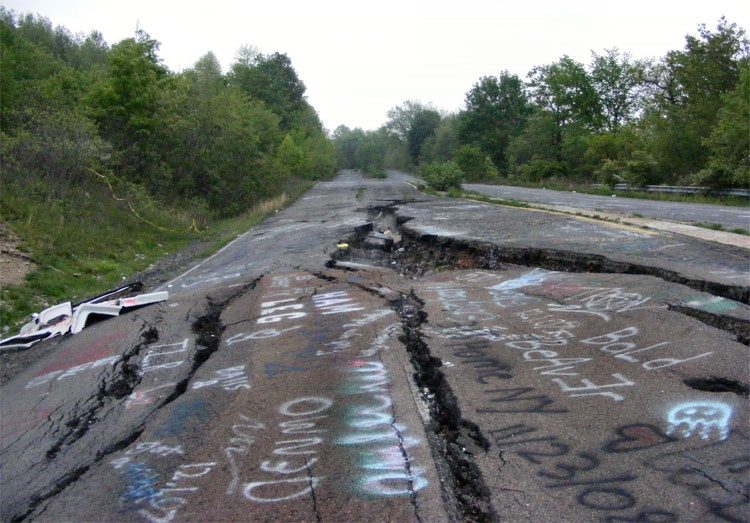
(457, 362)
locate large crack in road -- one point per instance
(419, 253)
(116, 388)
(421, 373)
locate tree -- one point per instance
(400, 118)
(290, 159)
(564, 90)
(618, 82)
(537, 145)
(125, 104)
(688, 88)
(728, 144)
(207, 72)
(565, 96)
(496, 111)
(26, 68)
(423, 126)
(441, 146)
(347, 143)
(247, 55)
(93, 51)
(219, 144)
(273, 80)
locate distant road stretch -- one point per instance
(729, 217)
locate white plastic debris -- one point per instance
(143, 299)
(48, 317)
(85, 310)
(64, 318)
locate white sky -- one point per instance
(358, 59)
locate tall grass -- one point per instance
(90, 238)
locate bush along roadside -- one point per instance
(443, 176)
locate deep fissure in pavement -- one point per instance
(208, 329)
(118, 384)
(454, 439)
(459, 437)
(415, 254)
(740, 328)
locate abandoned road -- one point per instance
(372, 353)
(728, 217)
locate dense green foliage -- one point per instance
(73, 105)
(109, 161)
(442, 176)
(369, 151)
(475, 164)
(683, 119)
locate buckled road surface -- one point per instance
(457, 361)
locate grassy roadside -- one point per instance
(720, 227)
(88, 240)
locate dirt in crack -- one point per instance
(384, 242)
(459, 438)
(120, 384)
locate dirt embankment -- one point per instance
(14, 264)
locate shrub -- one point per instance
(475, 165)
(443, 176)
(539, 169)
(58, 146)
(610, 173)
(640, 169)
(375, 171)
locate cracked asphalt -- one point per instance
(458, 362)
(729, 217)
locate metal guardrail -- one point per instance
(673, 189)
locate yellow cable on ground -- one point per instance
(192, 227)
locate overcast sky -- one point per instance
(360, 58)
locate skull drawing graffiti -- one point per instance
(704, 418)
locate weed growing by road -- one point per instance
(720, 227)
(500, 201)
(443, 176)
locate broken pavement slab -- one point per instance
(303, 412)
(520, 236)
(90, 396)
(535, 358)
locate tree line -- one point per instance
(681, 119)
(73, 105)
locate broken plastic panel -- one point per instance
(63, 318)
